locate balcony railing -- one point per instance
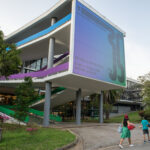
(43, 72)
(44, 32)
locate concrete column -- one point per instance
(101, 108)
(48, 85)
(51, 47)
(51, 52)
(47, 104)
(78, 107)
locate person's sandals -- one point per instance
(131, 145)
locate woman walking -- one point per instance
(125, 132)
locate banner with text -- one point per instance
(98, 48)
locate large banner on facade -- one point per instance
(98, 48)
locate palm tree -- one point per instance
(110, 97)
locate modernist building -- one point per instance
(131, 98)
(71, 46)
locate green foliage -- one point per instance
(9, 60)
(141, 113)
(24, 95)
(94, 101)
(134, 117)
(107, 107)
(147, 94)
(110, 97)
(145, 113)
(144, 78)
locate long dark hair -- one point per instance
(125, 124)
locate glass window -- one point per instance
(33, 64)
(44, 63)
(38, 64)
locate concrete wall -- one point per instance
(121, 110)
(124, 109)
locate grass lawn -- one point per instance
(133, 117)
(17, 138)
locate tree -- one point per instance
(94, 100)
(146, 93)
(93, 105)
(145, 79)
(110, 98)
(9, 59)
(25, 94)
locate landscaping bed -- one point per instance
(21, 138)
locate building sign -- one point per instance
(98, 48)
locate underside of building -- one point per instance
(70, 51)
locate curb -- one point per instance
(80, 126)
(66, 147)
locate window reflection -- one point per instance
(35, 65)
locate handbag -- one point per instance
(120, 129)
(131, 126)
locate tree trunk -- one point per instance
(107, 115)
(83, 108)
(0, 134)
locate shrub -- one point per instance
(141, 113)
(145, 113)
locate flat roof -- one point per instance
(133, 80)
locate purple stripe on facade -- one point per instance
(40, 74)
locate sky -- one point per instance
(132, 16)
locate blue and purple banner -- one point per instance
(98, 48)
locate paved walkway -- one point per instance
(141, 147)
(137, 146)
(97, 137)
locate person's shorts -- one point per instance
(145, 131)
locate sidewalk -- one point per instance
(137, 146)
(96, 137)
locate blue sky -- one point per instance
(132, 16)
